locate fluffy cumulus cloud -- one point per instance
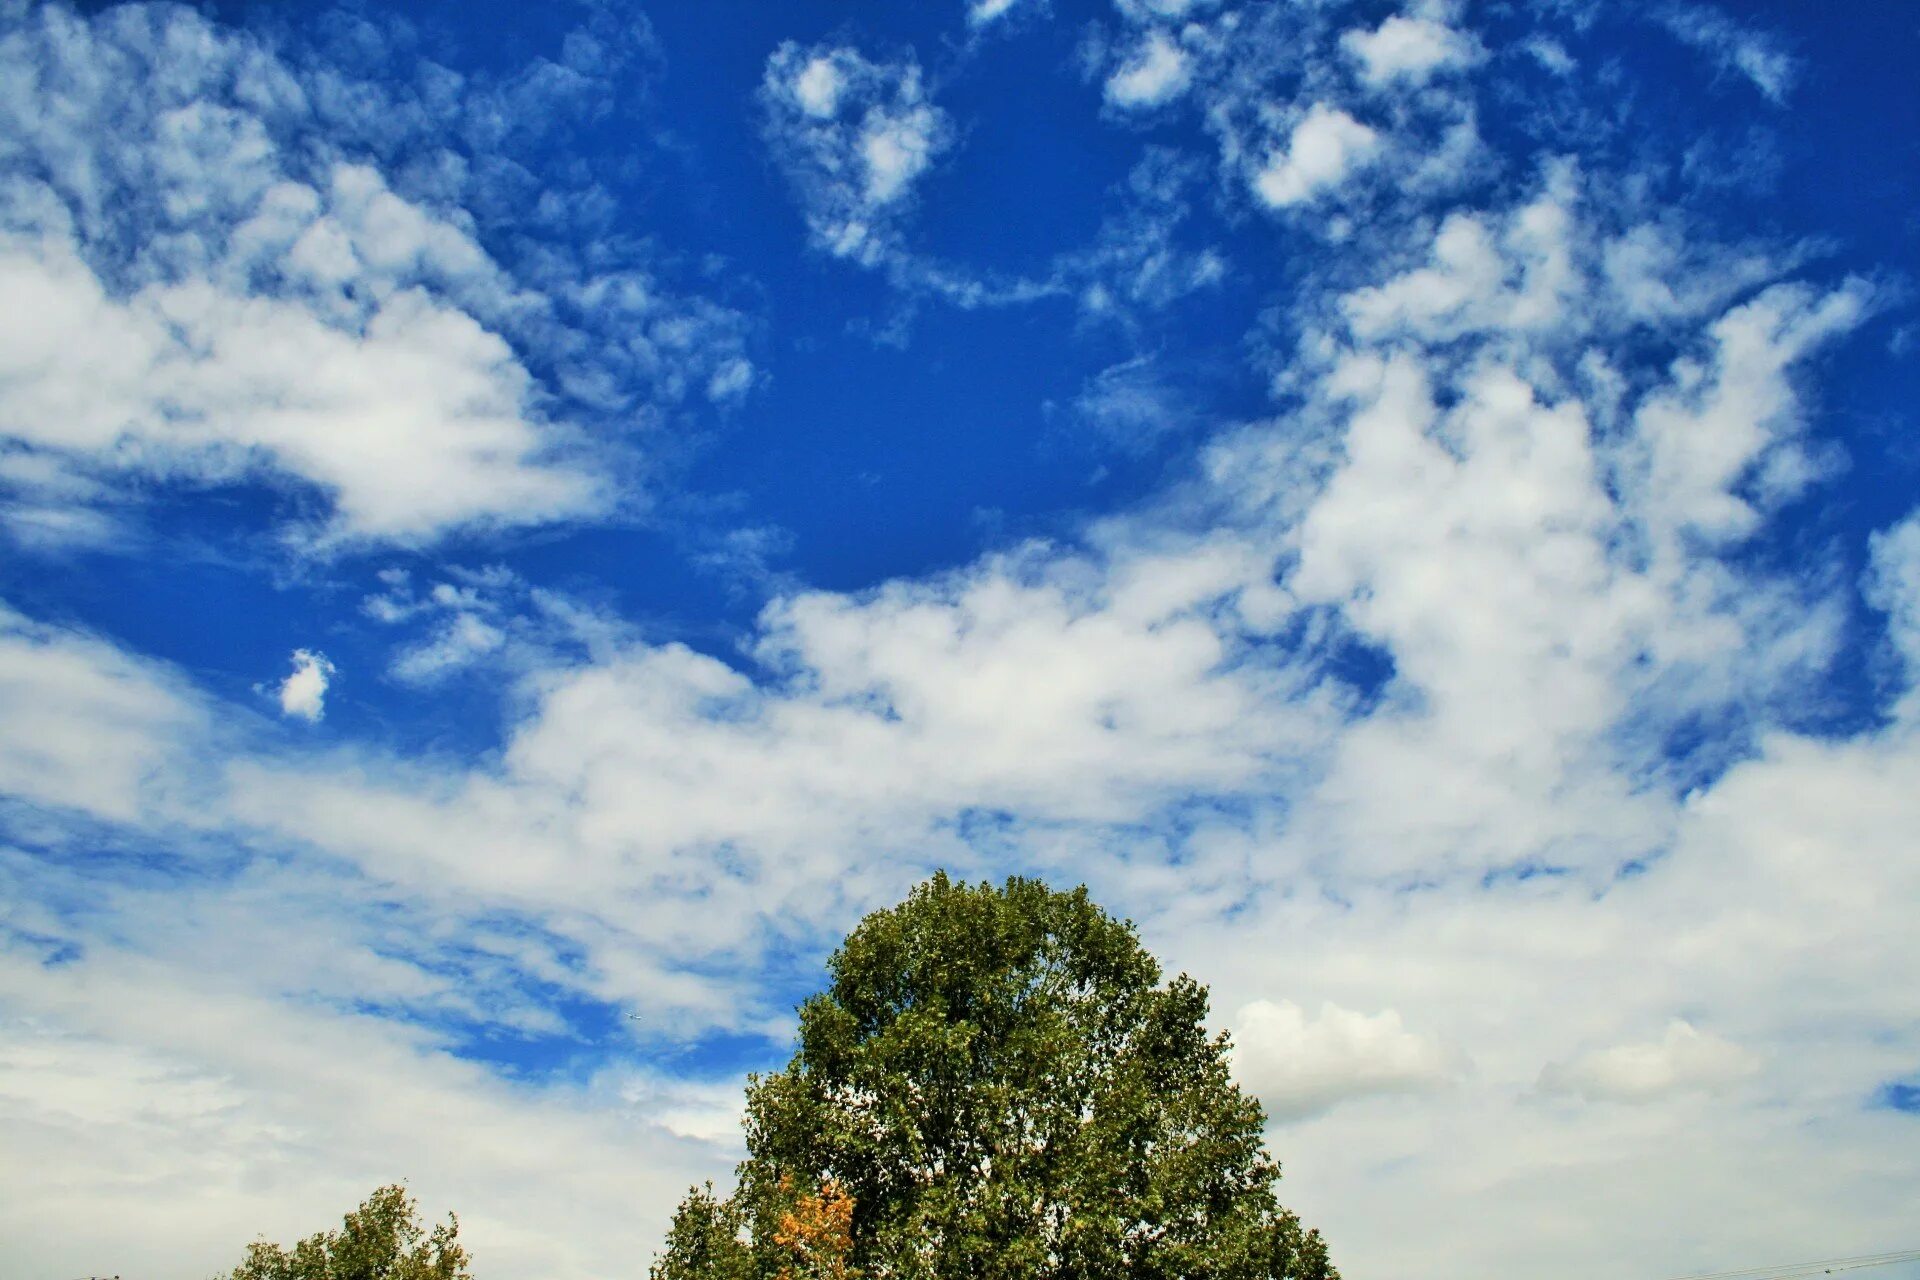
(1684, 1058)
(176, 376)
(303, 694)
(1478, 709)
(1157, 72)
(1023, 689)
(1407, 48)
(1322, 150)
(854, 137)
(1300, 1066)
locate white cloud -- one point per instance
(87, 726)
(1538, 584)
(658, 808)
(221, 299)
(1132, 405)
(1323, 150)
(1721, 442)
(897, 150)
(461, 640)
(1138, 260)
(412, 421)
(1162, 10)
(1408, 49)
(1551, 54)
(1523, 452)
(1754, 54)
(1157, 73)
(1483, 276)
(149, 1087)
(487, 618)
(303, 694)
(1300, 1066)
(982, 13)
(710, 1112)
(894, 713)
(1893, 586)
(1276, 87)
(1685, 1058)
(818, 86)
(854, 137)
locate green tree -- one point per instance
(381, 1240)
(997, 1084)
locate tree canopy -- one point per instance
(996, 1083)
(381, 1240)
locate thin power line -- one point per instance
(1795, 1270)
(1838, 1267)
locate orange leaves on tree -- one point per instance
(818, 1231)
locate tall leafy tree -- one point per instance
(381, 1240)
(997, 1083)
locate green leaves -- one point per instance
(1002, 1085)
(381, 1240)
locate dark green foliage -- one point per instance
(381, 1240)
(1002, 1084)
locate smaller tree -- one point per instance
(381, 1240)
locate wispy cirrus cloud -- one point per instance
(1754, 54)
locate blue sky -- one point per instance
(520, 524)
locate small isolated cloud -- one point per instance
(1132, 405)
(1409, 49)
(984, 12)
(1300, 1066)
(1551, 54)
(303, 694)
(1158, 72)
(854, 137)
(1754, 54)
(731, 381)
(1322, 151)
(1685, 1059)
